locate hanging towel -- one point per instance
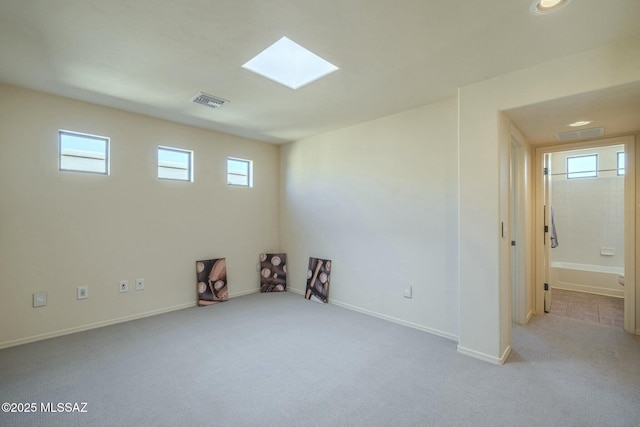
(554, 235)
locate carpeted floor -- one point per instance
(280, 360)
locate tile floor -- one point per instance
(588, 307)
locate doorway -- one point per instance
(585, 231)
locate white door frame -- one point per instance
(630, 240)
(517, 231)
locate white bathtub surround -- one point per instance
(593, 279)
(589, 212)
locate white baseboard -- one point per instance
(505, 355)
(530, 315)
(95, 325)
(396, 320)
(485, 357)
(386, 317)
(242, 293)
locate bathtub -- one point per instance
(593, 279)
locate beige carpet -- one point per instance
(280, 360)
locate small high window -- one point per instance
(80, 152)
(175, 164)
(239, 172)
(582, 166)
(621, 160)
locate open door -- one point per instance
(547, 229)
(516, 297)
(519, 219)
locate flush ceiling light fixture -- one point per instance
(580, 123)
(542, 7)
(289, 64)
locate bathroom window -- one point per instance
(239, 172)
(175, 164)
(621, 159)
(79, 152)
(582, 166)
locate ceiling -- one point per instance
(617, 109)
(152, 56)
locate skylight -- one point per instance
(289, 64)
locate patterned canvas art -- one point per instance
(273, 272)
(212, 281)
(318, 275)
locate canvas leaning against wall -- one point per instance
(212, 281)
(273, 272)
(318, 275)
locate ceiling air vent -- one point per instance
(208, 100)
(580, 134)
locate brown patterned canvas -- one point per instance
(273, 272)
(212, 281)
(318, 275)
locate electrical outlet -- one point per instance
(83, 292)
(139, 284)
(123, 286)
(408, 291)
(39, 299)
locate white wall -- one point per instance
(380, 200)
(61, 230)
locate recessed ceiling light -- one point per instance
(289, 64)
(580, 123)
(541, 7)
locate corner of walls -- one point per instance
(480, 218)
(501, 360)
(380, 200)
(506, 305)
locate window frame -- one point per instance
(107, 155)
(618, 166)
(581, 174)
(190, 163)
(249, 175)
